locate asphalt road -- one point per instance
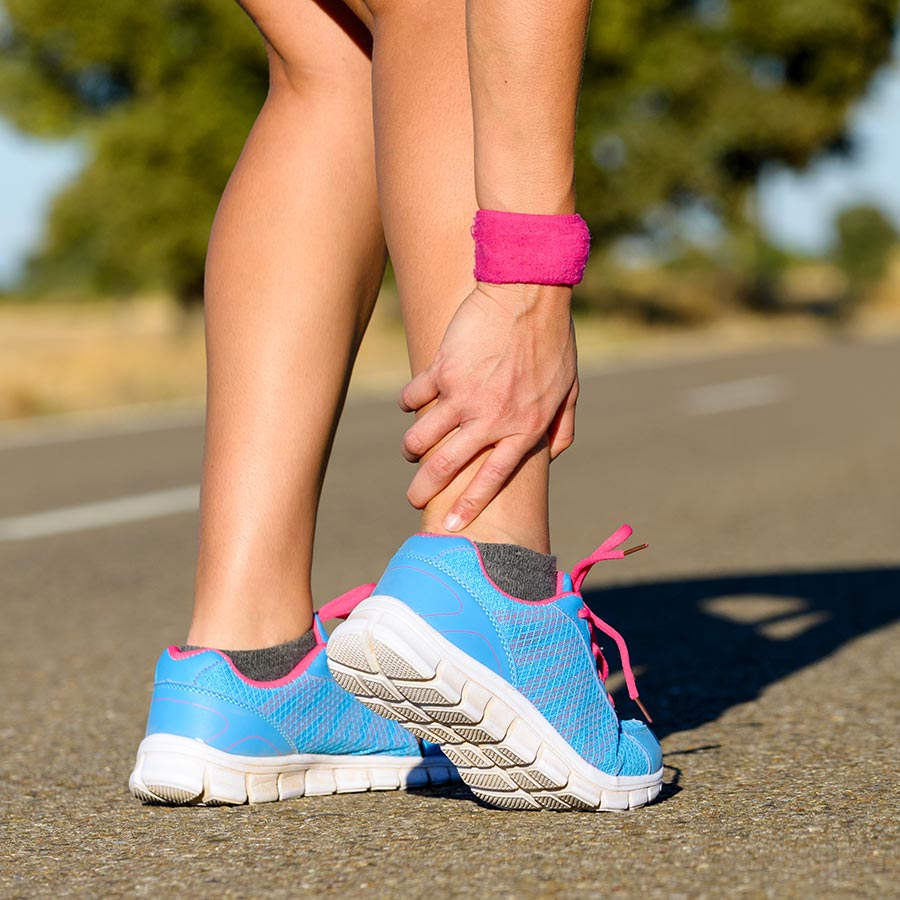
(763, 624)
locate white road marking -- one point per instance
(745, 393)
(121, 510)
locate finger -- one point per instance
(419, 392)
(562, 436)
(447, 461)
(562, 429)
(486, 484)
(429, 430)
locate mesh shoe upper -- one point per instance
(543, 649)
(199, 694)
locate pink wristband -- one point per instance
(520, 248)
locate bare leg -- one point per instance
(285, 310)
(424, 148)
(294, 266)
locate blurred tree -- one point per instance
(163, 93)
(684, 103)
(865, 240)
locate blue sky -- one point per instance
(31, 172)
(796, 209)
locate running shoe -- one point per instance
(216, 737)
(513, 691)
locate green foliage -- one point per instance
(865, 242)
(163, 93)
(683, 104)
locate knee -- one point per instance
(317, 43)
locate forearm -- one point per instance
(525, 59)
(501, 390)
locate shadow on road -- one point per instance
(700, 646)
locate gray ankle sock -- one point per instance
(269, 663)
(524, 573)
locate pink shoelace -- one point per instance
(342, 606)
(607, 550)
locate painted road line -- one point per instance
(121, 510)
(729, 396)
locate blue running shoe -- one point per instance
(513, 691)
(215, 736)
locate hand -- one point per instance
(504, 377)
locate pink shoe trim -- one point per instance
(298, 670)
(176, 653)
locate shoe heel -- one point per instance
(171, 769)
(158, 778)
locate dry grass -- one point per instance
(63, 357)
(59, 357)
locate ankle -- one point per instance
(241, 607)
(242, 639)
(248, 625)
(534, 537)
(519, 514)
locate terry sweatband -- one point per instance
(521, 248)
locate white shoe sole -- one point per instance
(392, 660)
(182, 771)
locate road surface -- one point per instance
(763, 624)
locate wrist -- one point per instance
(528, 294)
(515, 300)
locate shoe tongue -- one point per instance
(566, 584)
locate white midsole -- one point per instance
(465, 683)
(293, 762)
(179, 769)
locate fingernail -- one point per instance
(453, 522)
